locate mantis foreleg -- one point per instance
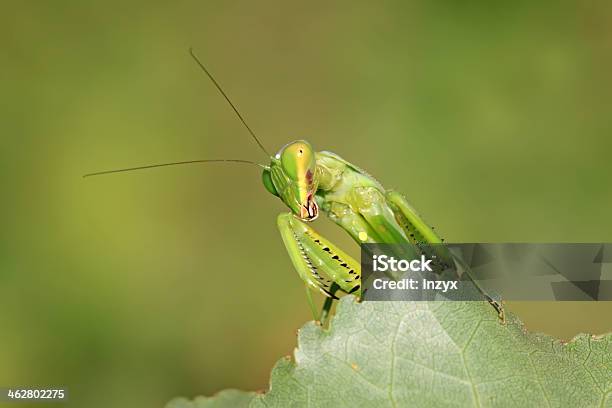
(321, 265)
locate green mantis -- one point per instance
(311, 183)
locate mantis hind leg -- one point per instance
(420, 233)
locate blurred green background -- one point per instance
(130, 289)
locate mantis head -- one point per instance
(293, 178)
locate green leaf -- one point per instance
(399, 354)
(224, 399)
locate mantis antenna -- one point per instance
(197, 60)
(150, 166)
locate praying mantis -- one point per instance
(310, 183)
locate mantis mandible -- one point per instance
(310, 183)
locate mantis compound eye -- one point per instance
(298, 161)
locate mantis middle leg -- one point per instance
(420, 233)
